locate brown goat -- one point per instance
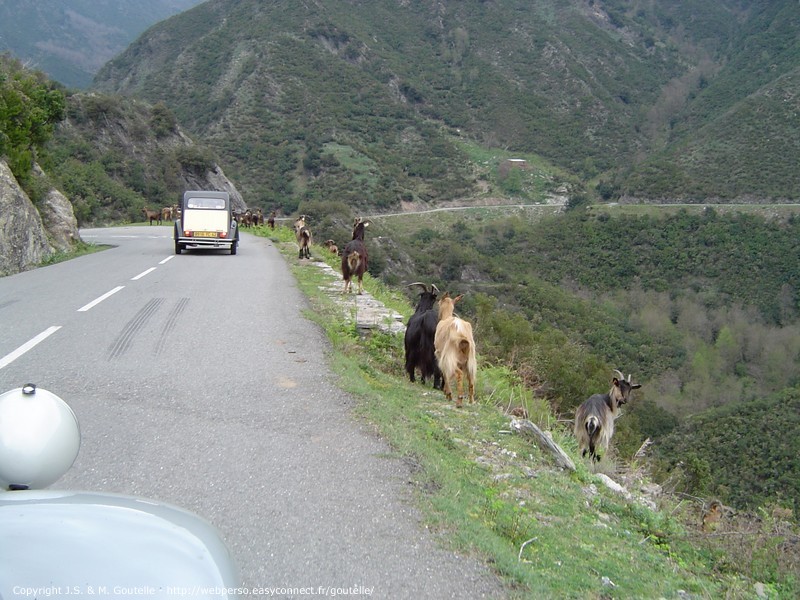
(332, 247)
(152, 215)
(455, 350)
(354, 257)
(594, 419)
(303, 235)
(271, 219)
(712, 516)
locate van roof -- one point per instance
(205, 194)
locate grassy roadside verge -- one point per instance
(79, 249)
(487, 492)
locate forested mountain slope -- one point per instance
(700, 305)
(379, 102)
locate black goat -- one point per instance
(420, 331)
(354, 257)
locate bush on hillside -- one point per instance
(747, 454)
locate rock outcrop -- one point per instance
(23, 241)
(58, 219)
(28, 237)
(215, 179)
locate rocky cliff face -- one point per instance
(58, 219)
(29, 235)
(214, 179)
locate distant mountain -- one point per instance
(384, 101)
(71, 39)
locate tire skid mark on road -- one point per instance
(7, 303)
(134, 326)
(172, 319)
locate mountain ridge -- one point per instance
(606, 91)
(71, 40)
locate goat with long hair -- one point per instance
(455, 350)
(594, 419)
(303, 235)
(419, 336)
(354, 257)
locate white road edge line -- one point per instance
(166, 259)
(143, 273)
(97, 301)
(12, 356)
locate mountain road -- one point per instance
(197, 381)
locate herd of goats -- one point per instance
(440, 345)
(246, 218)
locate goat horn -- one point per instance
(420, 284)
(434, 289)
(621, 375)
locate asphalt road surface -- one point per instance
(197, 381)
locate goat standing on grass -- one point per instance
(354, 257)
(303, 235)
(455, 350)
(420, 333)
(332, 247)
(594, 419)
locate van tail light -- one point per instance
(222, 234)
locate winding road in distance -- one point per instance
(197, 381)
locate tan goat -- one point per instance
(455, 350)
(594, 419)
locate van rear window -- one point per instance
(213, 203)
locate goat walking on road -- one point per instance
(455, 350)
(152, 215)
(419, 337)
(594, 419)
(354, 257)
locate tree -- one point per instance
(29, 108)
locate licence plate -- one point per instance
(206, 234)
